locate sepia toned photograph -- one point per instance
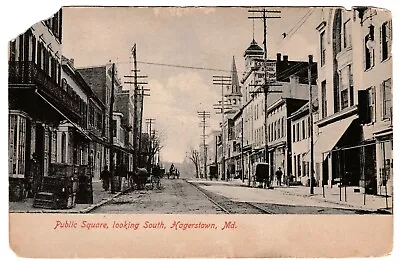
(200, 111)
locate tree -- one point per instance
(194, 156)
(151, 145)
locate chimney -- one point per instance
(285, 58)
(71, 62)
(278, 57)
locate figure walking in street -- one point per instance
(171, 170)
(105, 177)
(279, 176)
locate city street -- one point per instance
(217, 197)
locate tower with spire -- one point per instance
(234, 93)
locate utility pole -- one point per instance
(149, 122)
(223, 81)
(142, 95)
(203, 123)
(266, 77)
(311, 127)
(136, 125)
(111, 128)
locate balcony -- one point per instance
(27, 72)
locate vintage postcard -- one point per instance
(251, 132)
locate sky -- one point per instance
(196, 37)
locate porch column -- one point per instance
(329, 160)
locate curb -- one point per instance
(105, 201)
(82, 211)
(361, 209)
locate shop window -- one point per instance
(16, 144)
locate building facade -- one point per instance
(355, 98)
(38, 103)
(299, 122)
(290, 82)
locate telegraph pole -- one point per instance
(265, 86)
(142, 95)
(223, 81)
(203, 123)
(111, 128)
(149, 122)
(136, 127)
(311, 127)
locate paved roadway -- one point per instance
(178, 196)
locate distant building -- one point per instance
(300, 143)
(289, 85)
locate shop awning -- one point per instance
(78, 128)
(329, 137)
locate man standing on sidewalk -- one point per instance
(279, 176)
(105, 176)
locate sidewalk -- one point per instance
(100, 197)
(351, 198)
(332, 195)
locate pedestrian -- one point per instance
(31, 187)
(171, 170)
(279, 176)
(105, 177)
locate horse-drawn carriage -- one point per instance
(141, 177)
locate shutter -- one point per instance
(39, 55)
(21, 48)
(382, 88)
(363, 109)
(381, 41)
(33, 48)
(374, 103)
(26, 45)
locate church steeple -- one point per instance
(234, 94)
(235, 78)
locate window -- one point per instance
(386, 40)
(297, 131)
(279, 128)
(324, 102)
(63, 147)
(369, 54)
(298, 165)
(347, 34)
(293, 133)
(114, 123)
(346, 87)
(303, 130)
(371, 105)
(322, 48)
(16, 145)
(283, 126)
(386, 95)
(294, 165)
(53, 158)
(13, 50)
